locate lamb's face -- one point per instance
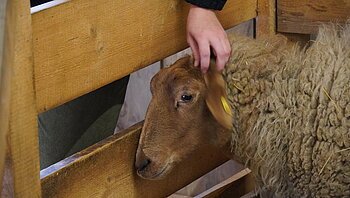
(175, 120)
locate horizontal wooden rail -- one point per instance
(241, 183)
(304, 16)
(82, 45)
(107, 170)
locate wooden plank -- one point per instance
(266, 22)
(23, 134)
(107, 170)
(2, 33)
(244, 187)
(4, 92)
(218, 189)
(178, 196)
(82, 45)
(301, 39)
(7, 185)
(304, 16)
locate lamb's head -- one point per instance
(178, 120)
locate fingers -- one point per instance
(194, 48)
(204, 31)
(222, 50)
(201, 52)
(204, 53)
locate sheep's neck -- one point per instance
(220, 137)
(247, 87)
(249, 78)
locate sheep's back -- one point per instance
(318, 157)
(297, 137)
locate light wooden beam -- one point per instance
(239, 185)
(4, 92)
(107, 170)
(304, 16)
(82, 45)
(266, 21)
(22, 130)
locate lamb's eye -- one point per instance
(186, 98)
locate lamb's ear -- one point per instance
(216, 97)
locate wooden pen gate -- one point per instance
(54, 55)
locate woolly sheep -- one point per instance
(291, 115)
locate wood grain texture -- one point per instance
(82, 45)
(4, 92)
(301, 39)
(244, 187)
(240, 190)
(304, 16)
(266, 22)
(7, 185)
(23, 133)
(107, 170)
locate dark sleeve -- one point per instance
(209, 4)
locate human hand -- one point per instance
(204, 31)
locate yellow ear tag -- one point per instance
(226, 106)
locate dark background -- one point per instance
(37, 2)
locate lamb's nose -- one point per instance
(141, 160)
(141, 165)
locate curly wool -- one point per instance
(292, 112)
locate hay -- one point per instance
(330, 158)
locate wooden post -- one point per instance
(305, 17)
(4, 93)
(266, 24)
(22, 130)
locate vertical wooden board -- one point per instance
(304, 16)
(7, 185)
(107, 170)
(2, 32)
(82, 45)
(4, 92)
(266, 24)
(23, 136)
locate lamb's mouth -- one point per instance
(158, 175)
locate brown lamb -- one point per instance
(291, 115)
